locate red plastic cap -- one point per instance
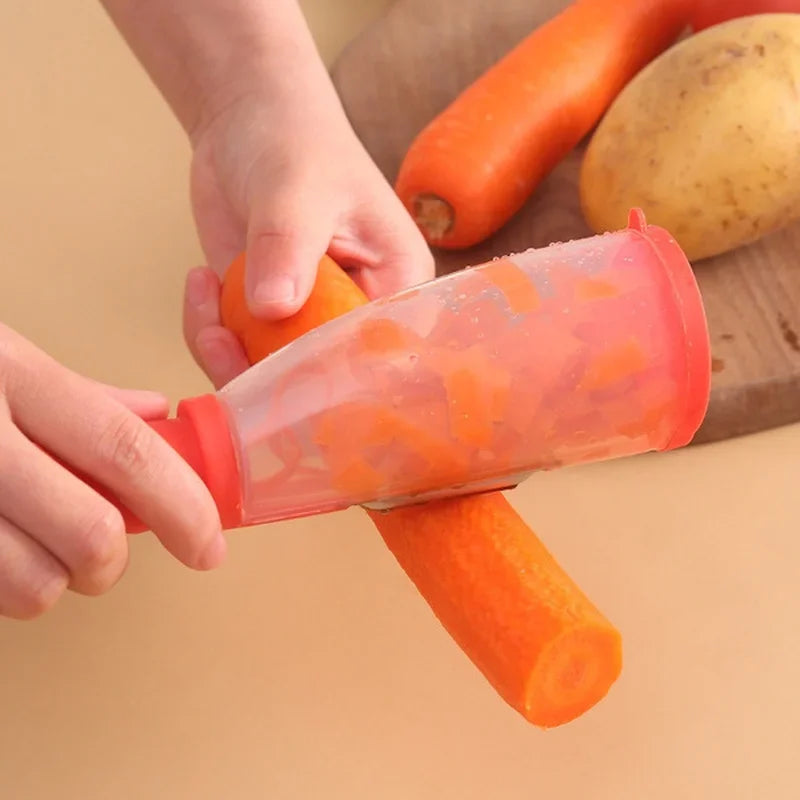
(200, 433)
(697, 388)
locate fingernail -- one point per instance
(147, 396)
(197, 289)
(214, 554)
(274, 290)
(213, 353)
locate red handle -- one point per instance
(201, 435)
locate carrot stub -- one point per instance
(475, 164)
(491, 583)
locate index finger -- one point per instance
(94, 433)
(391, 255)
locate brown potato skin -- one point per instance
(706, 139)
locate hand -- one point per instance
(277, 170)
(289, 194)
(56, 532)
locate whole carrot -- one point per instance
(491, 583)
(712, 12)
(475, 164)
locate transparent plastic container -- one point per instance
(578, 352)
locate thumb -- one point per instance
(145, 404)
(286, 238)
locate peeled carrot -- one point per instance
(491, 583)
(475, 164)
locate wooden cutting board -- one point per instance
(415, 59)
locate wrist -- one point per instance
(205, 55)
(299, 93)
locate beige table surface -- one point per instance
(308, 667)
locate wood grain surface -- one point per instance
(420, 54)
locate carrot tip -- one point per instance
(573, 674)
(434, 216)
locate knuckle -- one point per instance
(123, 445)
(278, 232)
(10, 361)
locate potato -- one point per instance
(706, 139)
